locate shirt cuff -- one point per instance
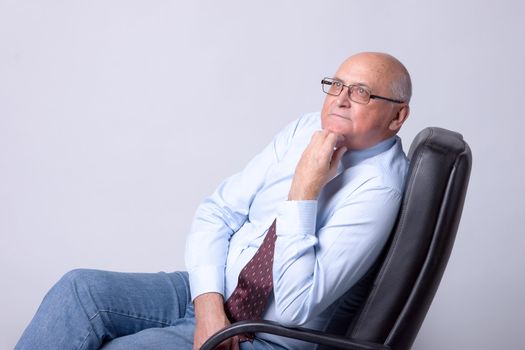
(296, 218)
(206, 279)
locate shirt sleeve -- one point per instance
(312, 270)
(220, 215)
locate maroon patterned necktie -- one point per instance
(255, 284)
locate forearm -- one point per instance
(295, 259)
(205, 254)
(295, 256)
(216, 219)
(313, 268)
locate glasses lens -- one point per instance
(359, 94)
(332, 87)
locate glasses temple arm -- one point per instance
(386, 99)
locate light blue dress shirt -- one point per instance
(323, 246)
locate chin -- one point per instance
(335, 128)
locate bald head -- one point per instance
(389, 73)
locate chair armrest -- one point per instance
(305, 334)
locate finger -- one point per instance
(196, 343)
(328, 147)
(235, 343)
(318, 138)
(335, 139)
(225, 345)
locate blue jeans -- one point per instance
(90, 309)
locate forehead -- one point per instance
(368, 71)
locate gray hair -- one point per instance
(402, 87)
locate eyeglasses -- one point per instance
(356, 93)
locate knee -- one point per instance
(78, 275)
(77, 280)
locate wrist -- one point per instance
(302, 193)
(208, 303)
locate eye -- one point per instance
(332, 87)
(361, 91)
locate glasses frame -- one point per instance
(349, 90)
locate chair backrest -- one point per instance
(407, 277)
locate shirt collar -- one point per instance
(353, 157)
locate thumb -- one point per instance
(336, 157)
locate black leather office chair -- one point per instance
(407, 276)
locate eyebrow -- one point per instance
(356, 84)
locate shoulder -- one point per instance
(308, 122)
(387, 169)
(297, 132)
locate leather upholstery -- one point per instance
(440, 163)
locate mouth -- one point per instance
(339, 116)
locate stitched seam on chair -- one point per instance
(402, 220)
(432, 246)
(166, 323)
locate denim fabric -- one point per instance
(90, 309)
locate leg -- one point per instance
(87, 308)
(261, 344)
(177, 336)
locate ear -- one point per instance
(399, 119)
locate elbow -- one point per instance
(291, 314)
(294, 306)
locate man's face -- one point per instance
(362, 125)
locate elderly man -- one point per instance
(282, 240)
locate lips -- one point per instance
(339, 116)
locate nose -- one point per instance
(343, 100)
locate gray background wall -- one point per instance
(117, 117)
